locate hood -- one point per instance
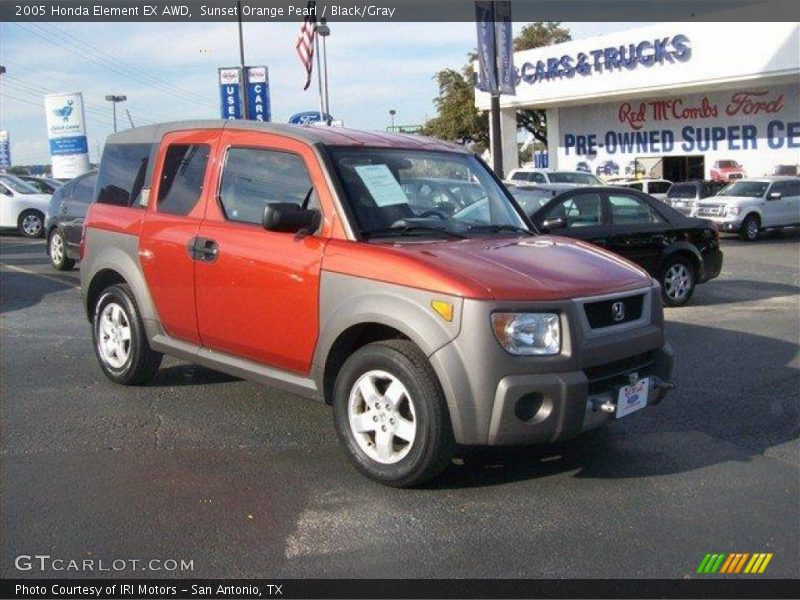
(533, 268)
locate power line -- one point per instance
(133, 69)
(120, 69)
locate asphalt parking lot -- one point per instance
(246, 481)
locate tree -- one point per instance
(457, 118)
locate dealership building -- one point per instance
(675, 100)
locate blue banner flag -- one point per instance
(506, 77)
(487, 47)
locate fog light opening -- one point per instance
(532, 407)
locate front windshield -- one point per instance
(18, 185)
(749, 189)
(576, 177)
(682, 191)
(394, 192)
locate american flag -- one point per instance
(305, 41)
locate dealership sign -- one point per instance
(258, 101)
(230, 90)
(5, 150)
(758, 125)
(66, 132)
(626, 57)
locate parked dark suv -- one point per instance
(683, 196)
(64, 221)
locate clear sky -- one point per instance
(168, 71)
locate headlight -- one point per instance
(528, 333)
(733, 210)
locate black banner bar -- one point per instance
(146, 589)
(394, 10)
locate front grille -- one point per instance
(607, 313)
(613, 374)
(710, 210)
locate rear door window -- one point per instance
(84, 189)
(630, 210)
(182, 177)
(122, 174)
(253, 178)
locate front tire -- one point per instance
(750, 228)
(678, 282)
(57, 249)
(390, 414)
(120, 342)
(31, 223)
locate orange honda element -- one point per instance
(390, 276)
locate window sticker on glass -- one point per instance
(382, 185)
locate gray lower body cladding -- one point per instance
(496, 398)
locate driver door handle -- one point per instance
(202, 249)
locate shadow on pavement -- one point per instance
(23, 290)
(730, 291)
(714, 416)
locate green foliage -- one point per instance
(541, 33)
(458, 120)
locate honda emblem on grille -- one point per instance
(618, 311)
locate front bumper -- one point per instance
(496, 398)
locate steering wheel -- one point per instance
(433, 213)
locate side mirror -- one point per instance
(774, 196)
(554, 223)
(290, 218)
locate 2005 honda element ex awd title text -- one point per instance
(391, 276)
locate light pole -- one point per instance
(392, 113)
(324, 31)
(114, 99)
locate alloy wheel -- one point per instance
(382, 417)
(677, 282)
(114, 339)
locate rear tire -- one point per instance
(390, 414)
(678, 281)
(750, 228)
(120, 342)
(57, 249)
(31, 223)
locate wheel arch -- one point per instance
(681, 249)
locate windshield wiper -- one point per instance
(411, 230)
(497, 228)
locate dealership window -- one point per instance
(253, 178)
(182, 177)
(583, 210)
(122, 173)
(629, 210)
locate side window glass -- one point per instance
(659, 187)
(84, 189)
(538, 178)
(629, 210)
(793, 188)
(122, 173)
(583, 210)
(777, 188)
(182, 177)
(253, 178)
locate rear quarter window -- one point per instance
(122, 174)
